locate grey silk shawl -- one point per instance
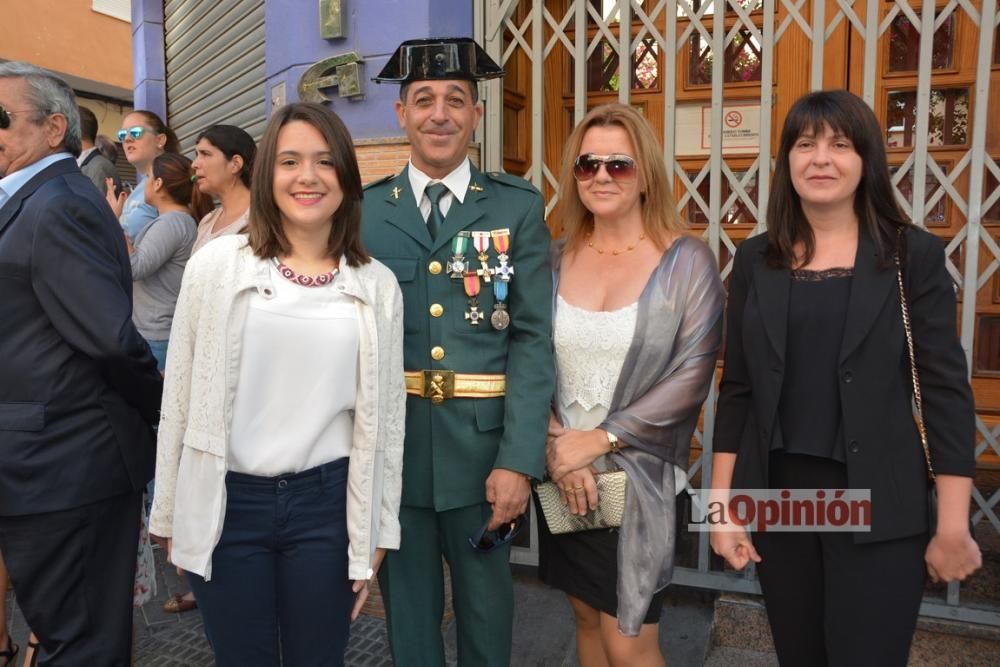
(657, 399)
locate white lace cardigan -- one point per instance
(202, 367)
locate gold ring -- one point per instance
(577, 488)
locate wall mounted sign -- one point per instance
(330, 25)
(342, 72)
(740, 129)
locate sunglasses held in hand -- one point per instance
(619, 167)
(486, 540)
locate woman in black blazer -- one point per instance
(816, 394)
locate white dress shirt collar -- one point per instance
(457, 181)
(83, 155)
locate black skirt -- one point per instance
(585, 565)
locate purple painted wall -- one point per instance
(148, 58)
(371, 28)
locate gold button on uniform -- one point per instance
(437, 353)
(437, 310)
(434, 267)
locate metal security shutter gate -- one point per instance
(215, 66)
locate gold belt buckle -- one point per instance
(439, 385)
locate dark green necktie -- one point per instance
(434, 221)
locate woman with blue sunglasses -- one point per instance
(144, 136)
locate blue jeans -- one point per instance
(279, 583)
(159, 350)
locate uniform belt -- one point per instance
(439, 385)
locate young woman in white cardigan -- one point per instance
(280, 443)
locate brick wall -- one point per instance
(378, 158)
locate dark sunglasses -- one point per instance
(486, 540)
(5, 116)
(619, 167)
(135, 132)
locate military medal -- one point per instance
(472, 291)
(501, 243)
(458, 265)
(500, 319)
(481, 240)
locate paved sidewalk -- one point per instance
(543, 629)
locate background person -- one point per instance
(107, 147)
(93, 163)
(144, 137)
(161, 250)
(300, 332)
(79, 388)
(638, 325)
(223, 163)
(816, 394)
(469, 455)
(8, 649)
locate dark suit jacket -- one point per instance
(882, 446)
(79, 387)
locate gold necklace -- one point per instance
(590, 244)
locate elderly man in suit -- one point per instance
(79, 388)
(470, 251)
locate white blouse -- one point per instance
(590, 350)
(298, 379)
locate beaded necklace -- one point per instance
(305, 281)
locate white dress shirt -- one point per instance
(457, 183)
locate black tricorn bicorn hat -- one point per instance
(441, 58)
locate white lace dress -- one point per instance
(590, 350)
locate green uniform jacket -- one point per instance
(451, 448)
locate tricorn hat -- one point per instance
(442, 58)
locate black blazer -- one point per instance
(882, 446)
(79, 387)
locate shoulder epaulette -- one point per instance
(379, 181)
(509, 179)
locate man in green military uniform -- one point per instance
(470, 251)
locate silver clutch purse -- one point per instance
(611, 487)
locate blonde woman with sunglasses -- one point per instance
(144, 136)
(637, 327)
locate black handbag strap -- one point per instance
(94, 153)
(918, 403)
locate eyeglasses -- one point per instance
(619, 167)
(135, 132)
(5, 116)
(486, 540)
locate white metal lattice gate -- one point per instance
(929, 68)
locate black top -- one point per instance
(809, 410)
